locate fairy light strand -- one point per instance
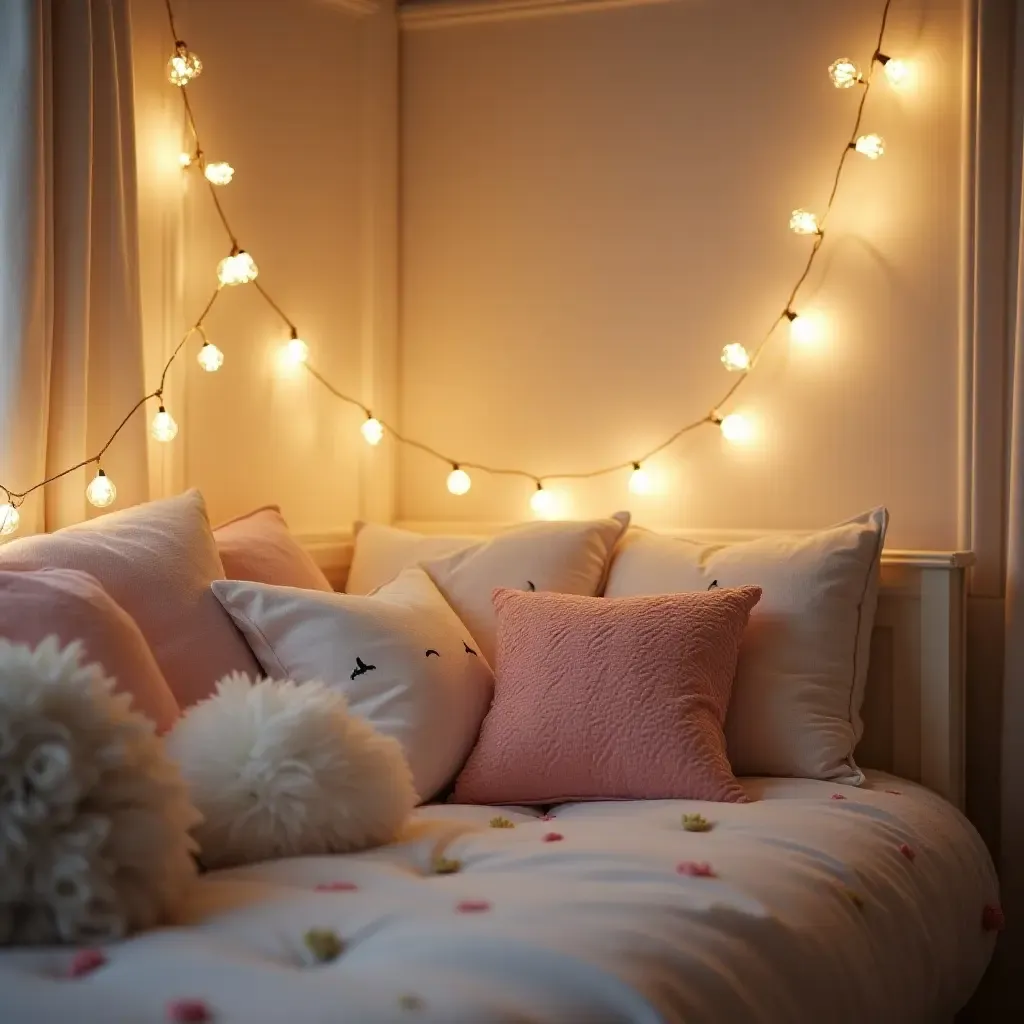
(458, 466)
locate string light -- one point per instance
(219, 173)
(183, 65)
(803, 222)
(458, 480)
(101, 492)
(803, 329)
(210, 358)
(736, 428)
(735, 358)
(238, 268)
(639, 481)
(541, 501)
(10, 519)
(164, 428)
(871, 146)
(185, 160)
(296, 351)
(372, 430)
(896, 71)
(844, 73)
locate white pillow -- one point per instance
(563, 557)
(382, 552)
(803, 665)
(402, 658)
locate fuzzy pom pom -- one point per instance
(94, 817)
(282, 770)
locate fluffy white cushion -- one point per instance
(94, 817)
(401, 657)
(799, 687)
(281, 770)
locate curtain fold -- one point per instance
(71, 356)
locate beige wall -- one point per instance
(300, 99)
(593, 203)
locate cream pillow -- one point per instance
(802, 670)
(382, 552)
(402, 658)
(562, 557)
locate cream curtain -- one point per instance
(70, 319)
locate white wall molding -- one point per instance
(442, 13)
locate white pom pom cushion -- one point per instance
(279, 770)
(795, 708)
(94, 816)
(402, 658)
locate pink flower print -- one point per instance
(337, 887)
(695, 869)
(552, 837)
(992, 918)
(894, 792)
(837, 796)
(473, 906)
(86, 961)
(188, 1011)
(546, 817)
(907, 851)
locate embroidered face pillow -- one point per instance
(402, 658)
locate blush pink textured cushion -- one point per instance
(604, 699)
(73, 606)
(259, 548)
(157, 562)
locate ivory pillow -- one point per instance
(803, 665)
(157, 562)
(382, 552)
(563, 557)
(402, 659)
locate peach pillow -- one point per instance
(599, 698)
(259, 548)
(157, 562)
(73, 606)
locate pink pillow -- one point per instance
(157, 562)
(73, 606)
(259, 548)
(599, 698)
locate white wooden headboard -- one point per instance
(914, 707)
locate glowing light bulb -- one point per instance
(373, 430)
(185, 160)
(897, 71)
(804, 329)
(10, 519)
(542, 502)
(735, 358)
(238, 268)
(219, 173)
(296, 352)
(458, 481)
(183, 65)
(639, 481)
(164, 428)
(737, 429)
(803, 222)
(871, 146)
(844, 73)
(101, 491)
(211, 359)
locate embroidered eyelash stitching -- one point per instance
(361, 669)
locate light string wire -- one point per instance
(15, 498)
